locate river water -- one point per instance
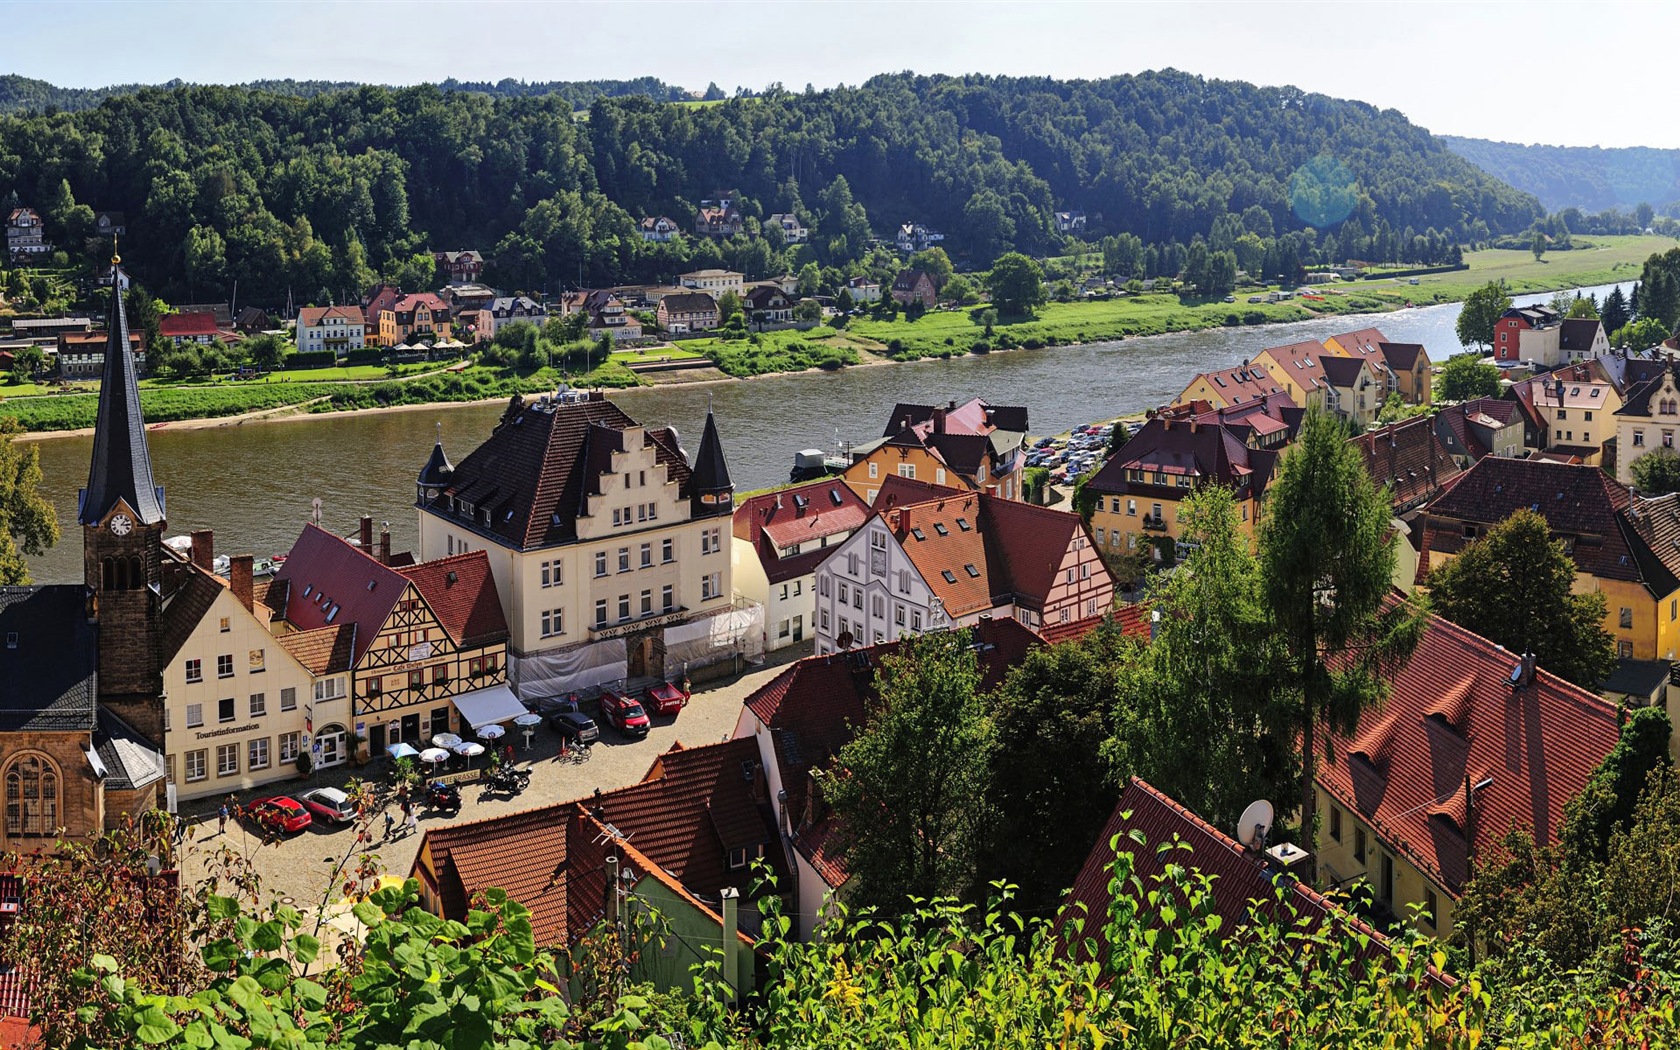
(253, 484)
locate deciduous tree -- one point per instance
(1464, 377)
(1657, 472)
(1482, 310)
(1327, 553)
(1017, 284)
(28, 524)
(1515, 586)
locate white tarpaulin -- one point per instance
(550, 674)
(720, 636)
(483, 707)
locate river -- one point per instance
(253, 484)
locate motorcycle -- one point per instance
(443, 797)
(509, 779)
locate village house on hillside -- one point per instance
(683, 312)
(915, 286)
(974, 445)
(659, 229)
(336, 328)
(610, 551)
(459, 267)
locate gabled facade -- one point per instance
(25, 234)
(1139, 490)
(793, 231)
(1353, 388)
(1486, 426)
(949, 559)
(914, 237)
(659, 229)
(609, 550)
(779, 538)
(379, 313)
(1472, 741)
(1578, 408)
(975, 445)
(1622, 546)
(462, 267)
(422, 315)
(768, 304)
(424, 645)
(82, 354)
(1230, 387)
(1648, 420)
(1410, 373)
(1299, 369)
(336, 328)
(914, 286)
(718, 219)
(1582, 339)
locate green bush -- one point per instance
(312, 359)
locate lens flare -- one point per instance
(1323, 191)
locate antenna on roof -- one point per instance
(1255, 824)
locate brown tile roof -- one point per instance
(534, 472)
(189, 604)
(530, 854)
(896, 490)
(802, 514)
(1262, 419)
(1452, 717)
(462, 594)
(1239, 877)
(1207, 454)
(1241, 385)
(1580, 503)
(1403, 357)
(1409, 456)
(324, 650)
(689, 302)
(311, 316)
(1361, 342)
(1302, 362)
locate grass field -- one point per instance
(1610, 260)
(658, 353)
(785, 351)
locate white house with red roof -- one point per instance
(932, 558)
(336, 328)
(1472, 741)
(779, 540)
(181, 328)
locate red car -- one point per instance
(279, 813)
(624, 714)
(666, 698)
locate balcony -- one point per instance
(1154, 523)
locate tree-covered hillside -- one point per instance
(326, 191)
(1584, 177)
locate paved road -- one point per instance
(299, 869)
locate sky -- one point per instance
(1521, 72)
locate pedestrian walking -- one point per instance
(390, 823)
(413, 822)
(180, 830)
(407, 808)
(221, 820)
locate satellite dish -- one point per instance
(1254, 824)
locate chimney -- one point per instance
(204, 549)
(385, 543)
(367, 534)
(1527, 669)
(939, 421)
(239, 579)
(731, 942)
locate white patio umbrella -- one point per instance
(445, 740)
(529, 718)
(491, 732)
(434, 755)
(469, 750)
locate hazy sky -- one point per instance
(1524, 72)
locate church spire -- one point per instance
(713, 490)
(121, 467)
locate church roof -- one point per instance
(49, 660)
(122, 466)
(711, 473)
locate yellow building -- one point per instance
(1579, 409)
(611, 553)
(1648, 420)
(1623, 546)
(975, 445)
(1404, 368)
(1298, 369)
(1230, 387)
(240, 707)
(1425, 787)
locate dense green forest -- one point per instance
(322, 193)
(1584, 177)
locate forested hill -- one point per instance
(1584, 177)
(27, 95)
(323, 191)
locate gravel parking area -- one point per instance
(298, 869)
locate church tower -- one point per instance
(121, 514)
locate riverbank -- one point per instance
(939, 334)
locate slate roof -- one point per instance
(1239, 877)
(1638, 678)
(1409, 456)
(1488, 411)
(49, 682)
(1580, 503)
(907, 280)
(1639, 396)
(689, 302)
(462, 595)
(1576, 334)
(121, 467)
(331, 582)
(1208, 454)
(1402, 357)
(131, 761)
(539, 464)
(1451, 715)
(187, 607)
(710, 473)
(803, 514)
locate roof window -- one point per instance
(950, 577)
(962, 523)
(332, 613)
(940, 528)
(834, 497)
(308, 589)
(918, 534)
(973, 573)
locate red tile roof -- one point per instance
(331, 582)
(1206, 454)
(1133, 620)
(1241, 385)
(325, 650)
(1302, 362)
(462, 594)
(194, 324)
(537, 856)
(1239, 876)
(1451, 718)
(1409, 456)
(1361, 342)
(804, 514)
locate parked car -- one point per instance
(575, 726)
(1230, 298)
(547, 705)
(624, 714)
(278, 813)
(1256, 298)
(329, 804)
(666, 698)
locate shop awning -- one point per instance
(481, 707)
